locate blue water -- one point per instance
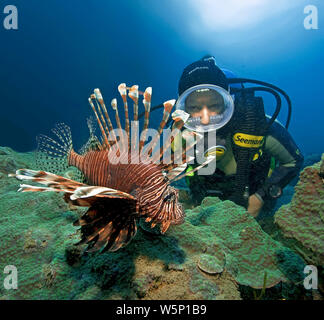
(64, 49)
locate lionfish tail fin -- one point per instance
(53, 153)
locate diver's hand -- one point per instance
(255, 205)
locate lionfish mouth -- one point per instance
(116, 189)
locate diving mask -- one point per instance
(214, 100)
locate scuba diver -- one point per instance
(255, 155)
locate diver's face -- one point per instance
(204, 104)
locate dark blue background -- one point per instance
(64, 49)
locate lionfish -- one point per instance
(118, 190)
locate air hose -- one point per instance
(269, 86)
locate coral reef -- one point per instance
(309, 160)
(217, 250)
(249, 251)
(302, 220)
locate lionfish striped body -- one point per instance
(144, 181)
(117, 189)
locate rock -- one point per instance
(5, 151)
(210, 264)
(10, 160)
(303, 219)
(321, 170)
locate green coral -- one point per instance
(249, 251)
(203, 287)
(302, 220)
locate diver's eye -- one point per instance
(193, 109)
(219, 108)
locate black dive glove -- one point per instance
(269, 191)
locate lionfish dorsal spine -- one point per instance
(103, 132)
(99, 98)
(174, 174)
(147, 105)
(134, 94)
(112, 137)
(115, 108)
(180, 118)
(123, 93)
(168, 105)
(179, 122)
(125, 143)
(122, 143)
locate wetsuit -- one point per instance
(279, 149)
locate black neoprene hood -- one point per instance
(203, 71)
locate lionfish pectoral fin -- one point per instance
(30, 188)
(109, 225)
(75, 192)
(95, 191)
(122, 238)
(51, 181)
(165, 226)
